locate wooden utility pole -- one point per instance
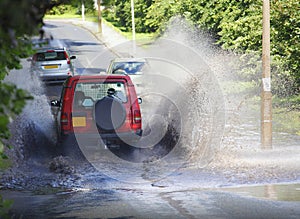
(99, 16)
(266, 95)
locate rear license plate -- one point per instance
(79, 121)
(50, 66)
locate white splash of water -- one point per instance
(37, 112)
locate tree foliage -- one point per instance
(285, 32)
(73, 6)
(119, 12)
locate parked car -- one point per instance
(98, 106)
(133, 67)
(52, 65)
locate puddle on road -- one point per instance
(88, 203)
(83, 203)
(282, 192)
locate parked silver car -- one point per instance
(52, 65)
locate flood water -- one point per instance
(119, 203)
(280, 192)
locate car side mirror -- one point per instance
(73, 57)
(55, 103)
(29, 59)
(140, 100)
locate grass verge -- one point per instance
(286, 114)
(285, 120)
(285, 111)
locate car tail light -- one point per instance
(64, 120)
(137, 116)
(136, 119)
(67, 57)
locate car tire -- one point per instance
(109, 113)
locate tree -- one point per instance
(285, 36)
(120, 14)
(159, 13)
(88, 5)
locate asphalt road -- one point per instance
(185, 193)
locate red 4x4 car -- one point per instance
(98, 107)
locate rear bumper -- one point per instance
(107, 139)
(53, 76)
(54, 79)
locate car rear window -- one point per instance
(98, 90)
(50, 56)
